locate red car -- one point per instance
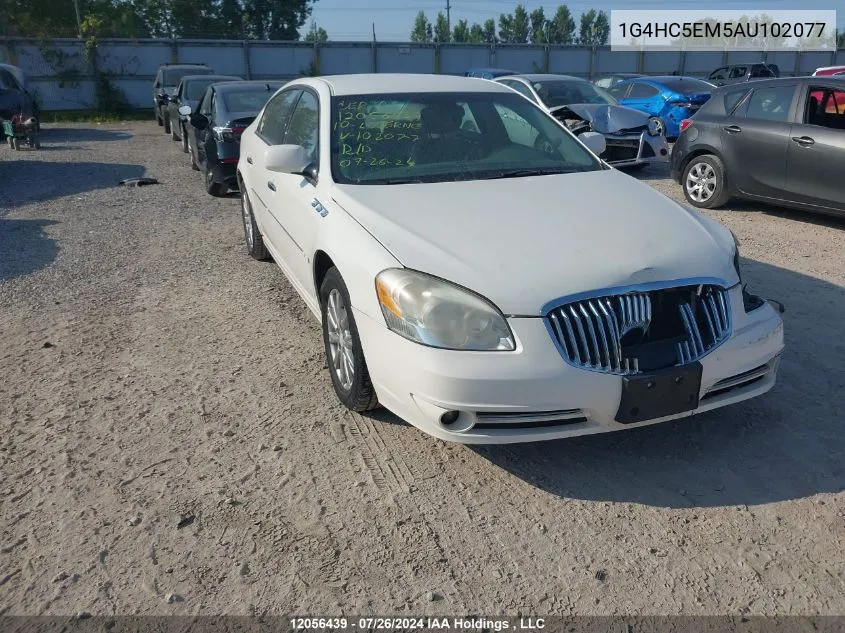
(829, 70)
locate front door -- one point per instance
(755, 140)
(816, 159)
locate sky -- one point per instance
(348, 20)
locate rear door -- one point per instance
(755, 140)
(816, 157)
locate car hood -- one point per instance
(607, 119)
(524, 242)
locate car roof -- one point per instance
(490, 70)
(383, 83)
(235, 86)
(540, 77)
(187, 78)
(170, 66)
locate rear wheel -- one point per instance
(659, 125)
(344, 354)
(254, 240)
(159, 120)
(704, 182)
(173, 135)
(216, 189)
(166, 120)
(191, 156)
(184, 139)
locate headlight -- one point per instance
(434, 312)
(736, 256)
(653, 127)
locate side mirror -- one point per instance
(286, 159)
(199, 121)
(185, 110)
(594, 141)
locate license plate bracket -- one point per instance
(658, 394)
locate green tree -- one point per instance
(601, 29)
(585, 32)
(461, 32)
(316, 34)
(490, 31)
(476, 34)
(561, 28)
(274, 19)
(421, 33)
(840, 42)
(441, 29)
(506, 34)
(521, 25)
(539, 30)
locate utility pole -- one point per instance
(449, 15)
(78, 21)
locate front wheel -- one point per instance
(658, 124)
(184, 140)
(173, 136)
(344, 354)
(194, 165)
(167, 125)
(704, 182)
(216, 189)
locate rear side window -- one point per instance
(618, 91)
(642, 91)
(761, 71)
(719, 73)
(770, 104)
(733, 99)
(738, 71)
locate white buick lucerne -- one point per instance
(484, 290)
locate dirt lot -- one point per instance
(170, 443)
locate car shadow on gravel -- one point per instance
(787, 444)
(82, 134)
(41, 180)
(807, 217)
(25, 247)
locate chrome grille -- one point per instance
(637, 331)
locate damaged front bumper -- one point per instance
(631, 150)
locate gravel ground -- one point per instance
(170, 442)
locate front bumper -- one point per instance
(531, 394)
(635, 149)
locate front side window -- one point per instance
(565, 92)
(304, 125)
(522, 89)
(204, 106)
(617, 91)
(719, 73)
(276, 115)
(194, 88)
(738, 71)
(770, 104)
(428, 137)
(732, 99)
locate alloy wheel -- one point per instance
(340, 340)
(701, 182)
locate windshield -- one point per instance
(171, 78)
(565, 92)
(441, 137)
(195, 88)
(251, 101)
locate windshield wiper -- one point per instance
(525, 172)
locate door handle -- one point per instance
(732, 129)
(270, 185)
(249, 159)
(803, 141)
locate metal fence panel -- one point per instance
(226, 58)
(570, 61)
(456, 60)
(346, 59)
(521, 59)
(268, 60)
(405, 58)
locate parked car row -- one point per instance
(420, 218)
(207, 113)
(15, 97)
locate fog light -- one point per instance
(663, 152)
(450, 417)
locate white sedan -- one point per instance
(484, 290)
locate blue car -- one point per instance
(668, 100)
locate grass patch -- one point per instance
(92, 116)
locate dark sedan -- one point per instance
(189, 91)
(214, 134)
(780, 141)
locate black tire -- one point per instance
(359, 395)
(173, 136)
(214, 188)
(252, 235)
(159, 120)
(184, 139)
(706, 168)
(660, 122)
(167, 124)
